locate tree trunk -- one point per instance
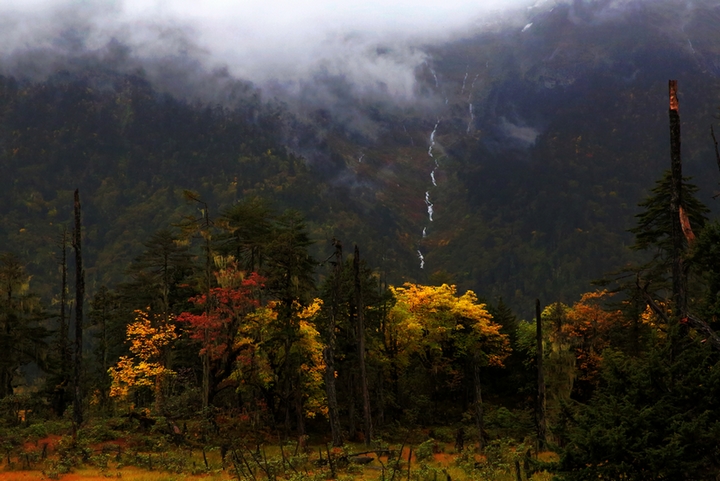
(479, 413)
(63, 341)
(79, 297)
(208, 274)
(299, 413)
(352, 428)
(329, 352)
(59, 393)
(678, 274)
(367, 421)
(540, 409)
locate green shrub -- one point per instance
(426, 450)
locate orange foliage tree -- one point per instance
(589, 327)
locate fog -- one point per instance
(319, 55)
(371, 43)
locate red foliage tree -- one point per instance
(217, 326)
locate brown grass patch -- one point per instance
(444, 458)
(51, 440)
(548, 456)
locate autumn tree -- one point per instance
(218, 317)
(451, 336)
(148, 337)
(590, 327)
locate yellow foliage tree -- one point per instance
(146, 367)
(257, 365)
(448, 333)
(425, 319)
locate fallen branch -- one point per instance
(704, 328)
(372, 451)
(691, 321)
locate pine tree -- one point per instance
(22, 337)
(158, 272)
(653, 417)
(246, 228)
(654, 224)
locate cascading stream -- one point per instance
(428, 203)
(470, 104)
(462, 90)
(472, 117)
(432, 138)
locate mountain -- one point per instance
(528, 143)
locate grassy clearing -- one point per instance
(275, 464)
(110, 449)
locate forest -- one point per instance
(236, 344)
(514, 275)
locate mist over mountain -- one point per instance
(505, 153)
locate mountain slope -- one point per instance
(515, 171)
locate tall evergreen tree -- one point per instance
(247, 228)
(108, 319)
(61, 375)
(654, 223)
(289, 273)
(158, 272)
(79, 300)
(22, 337)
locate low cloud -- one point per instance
(524, 134)
(374, 44)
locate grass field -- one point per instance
(439, 466)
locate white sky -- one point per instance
(258, 39)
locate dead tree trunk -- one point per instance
(540, 409)
(367, 421)
(329, 351)
(79, 297)
(678, 274)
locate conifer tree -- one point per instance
(21, 335)
(79, 299)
